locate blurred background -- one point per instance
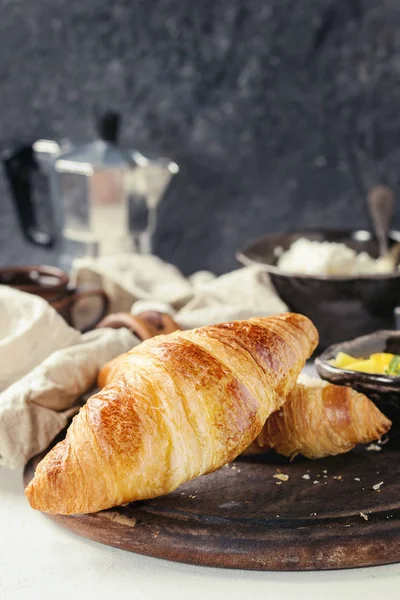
(279, 113)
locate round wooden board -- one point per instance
(243, 517)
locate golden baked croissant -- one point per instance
(321, 419)
(177, 406)
(318, 419)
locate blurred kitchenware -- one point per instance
(52, 284)
(384, 390)
(144, 325)
(381, 208)
(28, 169)
(103, 199)
(342, 307)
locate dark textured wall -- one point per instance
(280, 113)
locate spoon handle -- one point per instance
(381, 207)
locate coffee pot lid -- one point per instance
(102, 153)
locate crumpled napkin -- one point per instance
(46, 366)
(29, 332)
(136, 283)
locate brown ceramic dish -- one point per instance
(384, 390)
(52, 284)
(341, 307)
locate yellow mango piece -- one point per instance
(376, 363)
(382, 358)
(366, 366)
(342, 360)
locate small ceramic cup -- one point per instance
(52, 284)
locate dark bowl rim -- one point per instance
(60, 276)
(242, 256)
(321, 362)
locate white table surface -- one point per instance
(40, 560)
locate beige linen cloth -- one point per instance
(137, 283)
(46, 366)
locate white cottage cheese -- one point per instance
(308, 257)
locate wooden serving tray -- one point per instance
(243, 517)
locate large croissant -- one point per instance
(321, 419)
(180, 406)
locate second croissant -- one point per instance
(320, 419)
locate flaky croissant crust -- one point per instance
(321, 419)
(175, 407)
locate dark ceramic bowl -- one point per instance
(383, 390)
(341, 307)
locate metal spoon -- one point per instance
(381, 208)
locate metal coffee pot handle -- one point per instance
(21, 168)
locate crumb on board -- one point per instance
(305, 476)
(357, 479)
(377, 486)
(325, 471)
(316, 481)
(118, 518)
(278, 482)
(314, 514)
(364, 516)
(325, 476)
(373, 448)
(281, 476)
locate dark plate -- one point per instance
(237, 517)
(384, 390)
(341, 307)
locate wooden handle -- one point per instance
(145, 325)
(381, 207)
(105, 303)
